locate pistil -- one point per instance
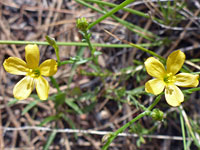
(169, 78)
(34, 73)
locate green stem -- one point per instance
(76, 44)
(126, 9)
(119, 20)
(87, 38)
(148, 51)
(58, 57)
(55, 83)
(114, 135)
(139, 46)
(135, 12)
(92, 49)
(155, 102)
(134, 28)
(74, 66)
(189, 91)
(50, 139)
(114, 10)
(183, 129)
(190, 130)
(53, 43)
(147, 112)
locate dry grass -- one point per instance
(32, 20)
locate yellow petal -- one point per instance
(23, 88)
(154, 67)
(42, 88)
(187, 80)
(154, 86)
(173, 95)
(32, 56)
(15, 65)
(175, 61)
(48, 67)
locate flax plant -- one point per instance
(165, 79)
(33, 73)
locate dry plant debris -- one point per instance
(102, 101)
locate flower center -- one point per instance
(34, 73)
(169, 78)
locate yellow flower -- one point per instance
(168, 79)
(33, 73)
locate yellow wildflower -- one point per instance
(168, 79)
(33, 73)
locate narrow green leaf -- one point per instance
(53, 43)
(55, 84)
(50, 140)
(49, 119)
(29, 106)
(73, 105)
(14, 101)
(89, 107)
(59, 98)
(69, 121)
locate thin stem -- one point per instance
(55, 83)
(134, 28)
(74, 66)
(76, 44)
(87, 38)
(89, 6)
(138, 46)
(114, 10)
(136, 12)
(155, 102)
(114, 135)
(148, 51)
(189, 91)
(147, 112)
(183, 129)
(53, 43)
(86, 35)
(58, 57)
(188, 126)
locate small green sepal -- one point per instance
(82, 24)
(157, 114)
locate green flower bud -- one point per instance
(106, 137)
(157, 114)
(82, 24)
(50, 40)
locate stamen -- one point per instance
(169, 78)
(34, 73)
